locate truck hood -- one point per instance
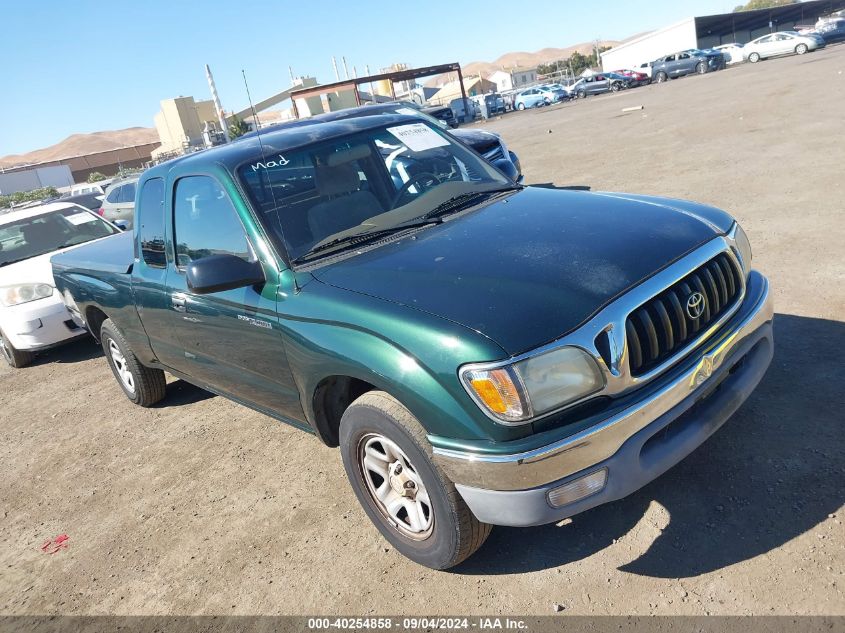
(529, 268)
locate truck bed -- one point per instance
(113, 254)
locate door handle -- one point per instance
(178, 303)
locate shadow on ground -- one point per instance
(180, 393)
(79, 351)
(774, 471)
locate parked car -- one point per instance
(33, 316)
(489, 144)
(734, 53)
(92, 201)
(443, 113)
(600, 83)
(98, 188)
(637, 78)
(553, 94)
(119, 203)
(645, 69)
(686, 63)
(457, 336)
(830, 29)
(782, 43)
(529, 98)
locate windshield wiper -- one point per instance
(356, 239)
(463, 200)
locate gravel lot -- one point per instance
(202, 506)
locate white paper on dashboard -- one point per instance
(418, 137)
(80, 218)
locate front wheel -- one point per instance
(142, 385)
(520, 106)
(661, 77)
(405, 494)
(754, 58)
(582, 94)
(801, 49)
(15, 357)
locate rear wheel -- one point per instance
(700, 68)
(405, 494)
(801, 49)
(15, 357)
(661, 77)
(142, 385)
(615, 87)
(754, 58)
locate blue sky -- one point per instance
(85, 66)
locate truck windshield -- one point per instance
(364, 183)
(44, 233)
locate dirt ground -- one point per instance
(200, 506)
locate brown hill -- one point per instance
(81, 144)
(521, 59)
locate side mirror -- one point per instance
(217, 273)
(505, 166)
(121, 224)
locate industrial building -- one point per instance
(513, 78)
(713, 30)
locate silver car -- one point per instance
(119, 203)
(781, 43)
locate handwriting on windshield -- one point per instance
(281, 162)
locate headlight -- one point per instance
(513, 394)
(24, 293)
(743, 246)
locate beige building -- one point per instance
(181, 122)
(514, 78)
(452, 90)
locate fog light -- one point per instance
(578, 489)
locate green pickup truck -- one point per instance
(482, 353)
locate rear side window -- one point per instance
(150, 219)
(205, 222)
(114, 195)
(127, 193)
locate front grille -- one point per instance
(664, 325)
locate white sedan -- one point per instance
(33, 316)
(734, 53)
(782, 43)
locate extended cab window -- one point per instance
(151, 223)
(205, 222)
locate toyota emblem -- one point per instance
(695, 305)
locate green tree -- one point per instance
(763, 4)
(96, 176)
(45, 193)
(237, 127)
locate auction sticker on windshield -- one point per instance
(80, 218)
(418, 137)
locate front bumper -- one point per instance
(633, 446)
(39, 324)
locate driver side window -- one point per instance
(205, 222)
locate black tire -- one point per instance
(615, 87)
(661, 77)
(520, 106)
(454, 533)
(15, 357)
(801, 49)
(701, 68)
(754, 58)
(582, 94)
(148, 385)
